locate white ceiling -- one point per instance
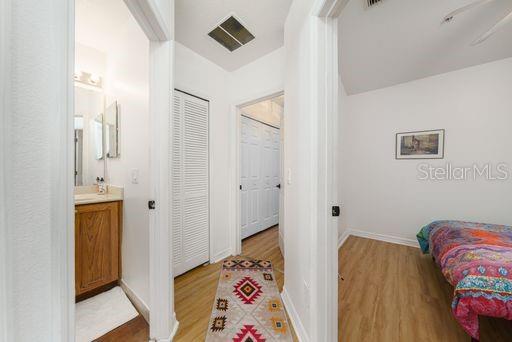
(99, 23)
(402, 40)
(264, 18)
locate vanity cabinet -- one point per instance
(97, 246)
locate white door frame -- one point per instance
(149, 15)
(163, 324)
(236, 126)
(4, 25)
(324, 246)
(59, 205)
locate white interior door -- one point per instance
(259, 170)
(275, 175)
(190, 183)
(244, 174)
(251, 176)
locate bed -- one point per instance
(476, 259)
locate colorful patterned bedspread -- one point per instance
(476, 259)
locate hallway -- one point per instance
(194, 291)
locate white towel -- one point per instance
(100, 314)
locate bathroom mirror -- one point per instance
(97, 136)
(89, 135)
(112, 130)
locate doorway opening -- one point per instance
(260, 199)
(112, 171)
(260, 176)
(197, 281)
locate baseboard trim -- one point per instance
(173, 333)
(175, 327)
(343, 238)
(139, 304)
(294, 317)
(281, 243)
(380, 237)
(167, 339)
(221, 255)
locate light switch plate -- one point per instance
(135, 176)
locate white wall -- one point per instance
(260, 78)
(342, 108)
(35, 151)
(90, 60)
(200, 77)
(297, 153)
(127, 81)
(383, 195)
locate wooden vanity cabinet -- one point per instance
(97, 246)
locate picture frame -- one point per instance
(420, 144)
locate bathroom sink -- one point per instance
(80, 198)
(89, 195)
(96, 198)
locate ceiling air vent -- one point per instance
(370, 3)
(231, 34)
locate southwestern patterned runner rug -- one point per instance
(247, 307)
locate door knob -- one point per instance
(151, 205)
(278, 186)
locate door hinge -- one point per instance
(335, 211)
(151, 205)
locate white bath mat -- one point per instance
(100, 314)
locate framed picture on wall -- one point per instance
(420, 145)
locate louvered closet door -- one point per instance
(189, 183)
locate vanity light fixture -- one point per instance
(88, 79)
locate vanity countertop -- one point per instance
(89, 194)
(96, 198)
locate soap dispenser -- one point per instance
(102, 189)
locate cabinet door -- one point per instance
(96, 245)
